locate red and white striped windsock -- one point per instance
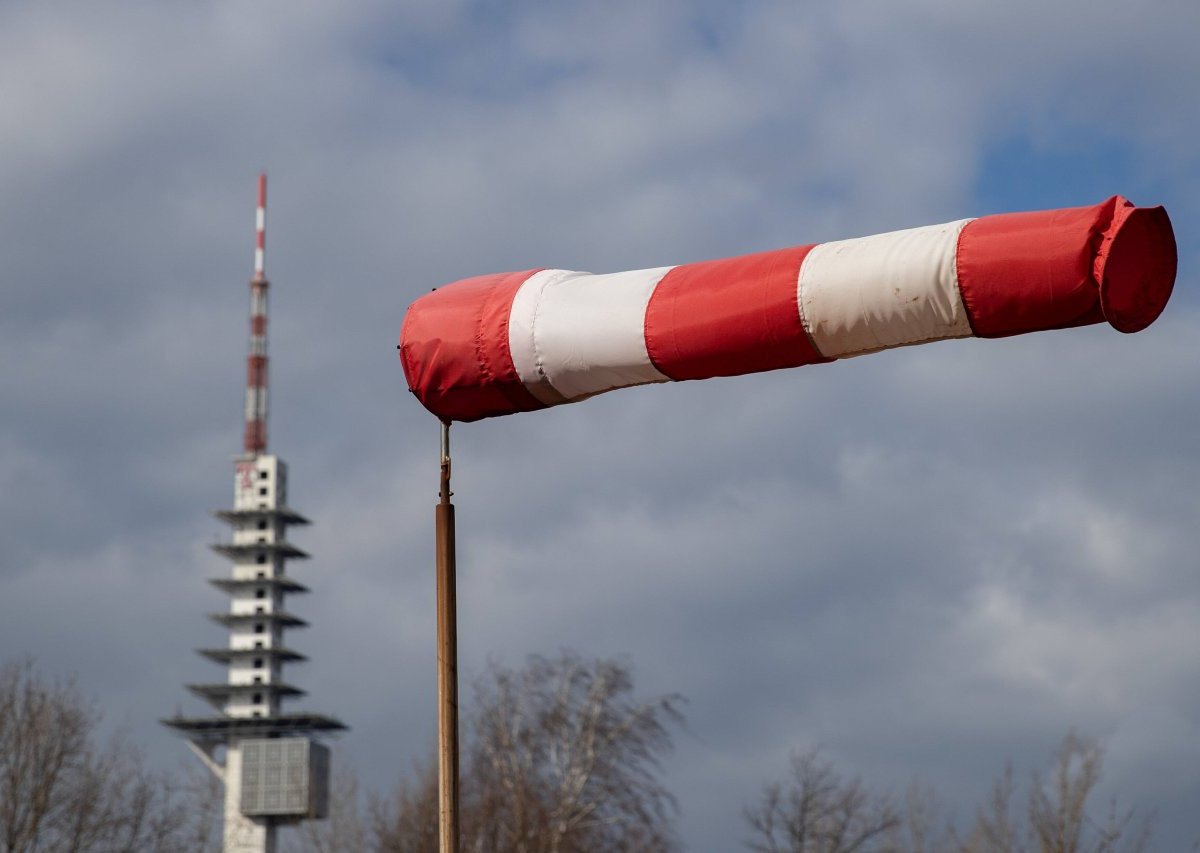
(256, 362)
(515, 342)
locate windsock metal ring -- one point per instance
(515, 342)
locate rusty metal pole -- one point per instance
(447, 652)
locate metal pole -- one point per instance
(447, 642)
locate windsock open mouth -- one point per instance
(1136, 268)
(516, 342)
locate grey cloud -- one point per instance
(928, 560)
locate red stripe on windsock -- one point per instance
(729, 316)
(1053, 269)
(455, 349)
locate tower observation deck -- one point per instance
(274, 767)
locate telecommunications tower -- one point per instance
(274, 769)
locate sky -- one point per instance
(927, 562)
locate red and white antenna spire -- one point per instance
(256, 363)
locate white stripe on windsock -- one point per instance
(870, 293)
(522, 341)
(582, 334)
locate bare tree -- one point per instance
(819, 812)
(1058, 810)
(1058, 818)
(563, 759)
(560, 758)
(922, 828)
(60, 791)
(997, 827)
(43, 739)
(408, 822)
(816, 811)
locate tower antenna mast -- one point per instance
(256, 361)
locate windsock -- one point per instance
(516, 342)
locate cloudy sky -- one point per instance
(928, 561)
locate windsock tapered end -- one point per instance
(1136, 267)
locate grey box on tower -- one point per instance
(285, 777)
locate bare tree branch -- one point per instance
(817, 811)
(60, 791)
